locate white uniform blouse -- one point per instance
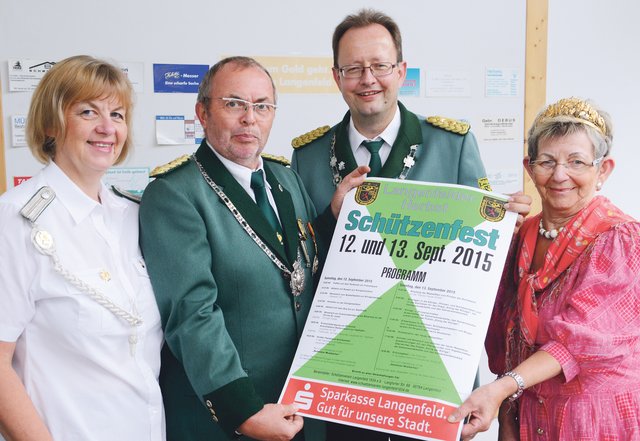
(73, 355)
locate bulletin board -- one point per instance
(466, 61)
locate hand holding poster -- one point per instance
(397, 326)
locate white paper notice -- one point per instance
(25, 73)
(443, 83)
(502, 82)
(497, 128)
(18, 138)
(178, 130)
(506, 181)
(131, 179)
(135, 73)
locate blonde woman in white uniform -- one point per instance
(80, 332)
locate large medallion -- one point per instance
(297, 279)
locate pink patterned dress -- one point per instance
(589, 321)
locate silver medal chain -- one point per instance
(297, 276)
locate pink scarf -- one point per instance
(518, 319)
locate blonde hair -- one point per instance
(72, 80)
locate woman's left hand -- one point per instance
(481, 407)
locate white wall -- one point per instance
(593, 53)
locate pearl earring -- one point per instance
(598, 186)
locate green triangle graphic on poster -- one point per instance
(385, 347)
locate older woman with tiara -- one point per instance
(565, 332)
(80, 332)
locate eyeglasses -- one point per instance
(377, 70)
(574, 166)
(238, 106)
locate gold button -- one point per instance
(208, 403)
(298, 306)
(105, 275)
(540, 431)
(541, 401)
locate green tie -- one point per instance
(257, 185)
(375, 163)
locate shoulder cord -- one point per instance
(93, 293)
(44, 243)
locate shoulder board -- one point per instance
(166, 168)
(306, 138)
(38, 203)
(449, 124)
(279, 159)
(126, 194)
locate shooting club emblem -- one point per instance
(367, 193)
(492, 209)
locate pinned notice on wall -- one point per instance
(18, 124)
(445, 83)
(130, 179)
(135, 73)
(178, 78)
(505, 180)
(26, 73)
(300, 74)
(501, 82)
(178, 130)
(497, 128)
(411, 85)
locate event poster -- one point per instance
(397, 326)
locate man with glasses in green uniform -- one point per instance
(379, 131)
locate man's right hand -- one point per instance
(352, 180)
(275, 422)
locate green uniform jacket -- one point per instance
(231, 322)
(442, 156)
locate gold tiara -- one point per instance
(578, 109)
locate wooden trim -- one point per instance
(3, 168)
(535, 83)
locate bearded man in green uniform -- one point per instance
(231, 253)
(378, 130)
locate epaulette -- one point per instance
(126, 194)
(449, 124)
(305, 139)
(37, 204)
(166, 168)
(279, 159)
